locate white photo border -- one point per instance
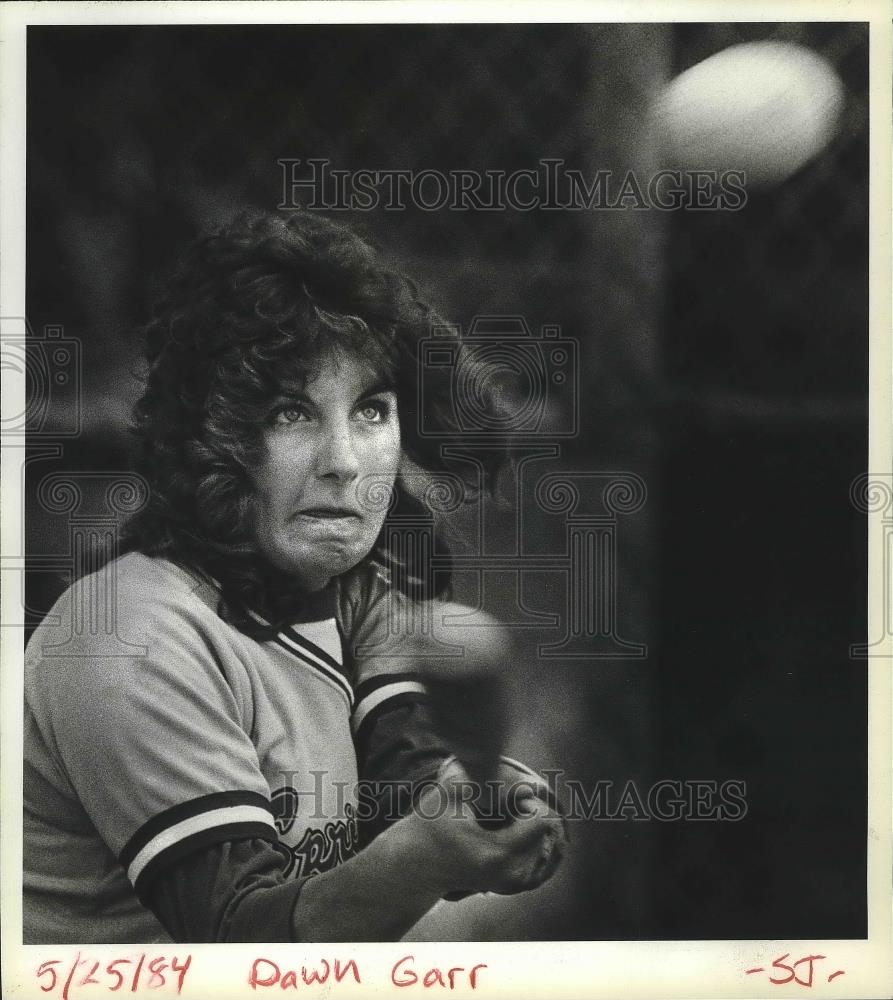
(668, 969)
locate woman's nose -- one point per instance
(338, 457)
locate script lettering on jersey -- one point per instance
(320, 848)
(71, 979)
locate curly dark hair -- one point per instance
(255, 306)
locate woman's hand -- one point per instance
(466, 856)
(438, 849)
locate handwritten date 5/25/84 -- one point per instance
(802, 971)
(63, 977)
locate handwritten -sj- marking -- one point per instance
(784, 972)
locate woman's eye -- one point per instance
(373, 412)
(289, 414)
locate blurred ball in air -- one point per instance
(766, 108)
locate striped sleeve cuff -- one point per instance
(379, 695)
(186, 827)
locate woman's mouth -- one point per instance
(328, 513)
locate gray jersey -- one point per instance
(198, 734)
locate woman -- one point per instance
(205, 788)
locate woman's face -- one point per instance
(320, 444)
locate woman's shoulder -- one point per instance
(123, 604)
(155, 580)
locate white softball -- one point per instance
(766, 108)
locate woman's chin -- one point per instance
(314, 569)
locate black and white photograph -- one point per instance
(447, 500)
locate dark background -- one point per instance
(724, 358)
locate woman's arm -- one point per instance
(237, 892)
